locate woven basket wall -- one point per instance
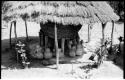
(67, 31)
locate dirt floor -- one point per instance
(10, 69)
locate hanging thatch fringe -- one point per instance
(65, 11)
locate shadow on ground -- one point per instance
(117, 60)
(9, 61)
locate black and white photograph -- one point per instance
(68, 40)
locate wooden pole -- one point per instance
(89, 33)
(10, 34)
(46, 41)
(15, 31)
(63, 44)
(102, 43)
(43, 40)
(112, 33)
(27, 38)
(103, 34)
(41, 35)
(56, 46)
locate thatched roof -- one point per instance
(64, 12)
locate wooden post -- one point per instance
(102, 43)
(26, 30)
(10, 34)
(112, 33)
(63, 44)
(103, 34)
(46, 41)
(43, 40)
(56, 46)
(15, 31)
(40, 35)
(89, 32)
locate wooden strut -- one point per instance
(56, 46)
(112, 33)
(27, 38)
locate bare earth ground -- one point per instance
(106, 70)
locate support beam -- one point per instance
(103, 33)
(15, 31)
(43, 40)
(88, 32)
(102, 43)
(27, 38)
(112, 33)
(10, 34)
(63, 44)
(56, 46)
(40, 36)
(46, 41)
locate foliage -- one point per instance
(118, 7)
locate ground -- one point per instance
(107, 70)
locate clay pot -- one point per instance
(61, 54)
(122, 47)
(72, 52)
(47, 53)
(36, 52)
(69, 44)
(79, 50)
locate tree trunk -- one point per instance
(27, 38)
(112, 33)
(56, 45)
(10, 34)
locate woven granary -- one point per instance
(63, 31)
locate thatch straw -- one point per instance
(64, 12)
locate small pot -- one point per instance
(37, 53)
(47, 54)
(61, 54)
(72, 52)
(79, 50)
